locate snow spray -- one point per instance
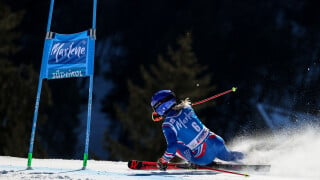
(291, 152)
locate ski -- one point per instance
(146, 165)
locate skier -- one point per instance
(185, 134)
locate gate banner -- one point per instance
(67, 56)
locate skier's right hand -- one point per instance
(162, 164)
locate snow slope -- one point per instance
(14, 168)
(293, 154)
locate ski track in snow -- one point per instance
(293, 154)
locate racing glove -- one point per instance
(162, 164)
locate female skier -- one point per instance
(185, 134)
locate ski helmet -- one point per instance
(162, 101)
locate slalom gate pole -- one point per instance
(223, 171)
(34, 124)
(36, 109)
(233, 89)
(86, 148)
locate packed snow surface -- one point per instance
(292, 154)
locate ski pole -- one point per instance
(233, 89)
(223, 171)
(157, 117)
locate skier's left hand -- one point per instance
(162, 164)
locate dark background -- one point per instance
(268, 49)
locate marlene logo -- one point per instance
(68, 50)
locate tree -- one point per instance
(8, 22)
(178, 70)
(17, 92)
(63, 115)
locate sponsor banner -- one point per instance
(67, 56)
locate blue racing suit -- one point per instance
(187, 137)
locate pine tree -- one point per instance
(8, 22)
(17, 92)
(178, 70)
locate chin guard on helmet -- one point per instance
(156, 117)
